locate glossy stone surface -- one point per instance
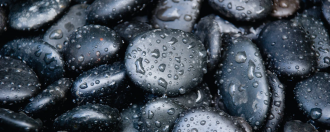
(210, 29)
(159, 115)
(298, 126)
(320, 38)
(88, 118)
(176, 14)
(287, 49)
(201, 97)
(277, 109)
(106, 84)
(130, 29)
(18, 82)
(50, 100)
(242, 80)
(42, 57)
(18, 122)
(114, 11)
(166, 61)
(311, 95)
(58, 35)
(33, 14)
(91, 46)
(285, 8)
(203, 120)
(242, 10)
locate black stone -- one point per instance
(176, 14)
(319, 36)
(210, 29)
(242, 81)
(50, 100)
(42, 57)
(33, 14)
(58, 35)
(298, 126)
(166, 61)
(87, 118)
(106, 84)
(277, 107)
(201, 97)
(207, 119)
(18, 82)
(159, 115)
(312, 97)
(114, 11)
(91, 46)
(242, 10)
(287, 49)
(11, 121)
(130, 29)
(130, 118)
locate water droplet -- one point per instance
(37, 53)
(240, 57)
(239, 8)
(168, 14)
(171, 111)
(316, 113)
(155, 53)
(162, 67)
(48, 58)
(56, 34)
(203, 122)
(173, 41)
(83, 85)
(277, 103)
(229, 5)
(139, 66)
(178, 59)
(162, 82)
(284, 37)
(182, 91)
(251, 68)
(158, 124)
(150, 114)
(81, 58)
(326, 60)
(255, 84)
(187, 17)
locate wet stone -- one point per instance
(242, 10)
(91, 46)
(180, 14)
(159, 115)
(50, 100)
(20, 122)
(318, 33)
(311, 94)
(58, 34)
(114, 11)
(105, 84)
(278, 40)
(285, 8)
(33, 14)
(18, 82)
(43, 58)
(277, 109)
(90, 117)
(207, 119)
(163, 61)
(243, 84)
(130, 29)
